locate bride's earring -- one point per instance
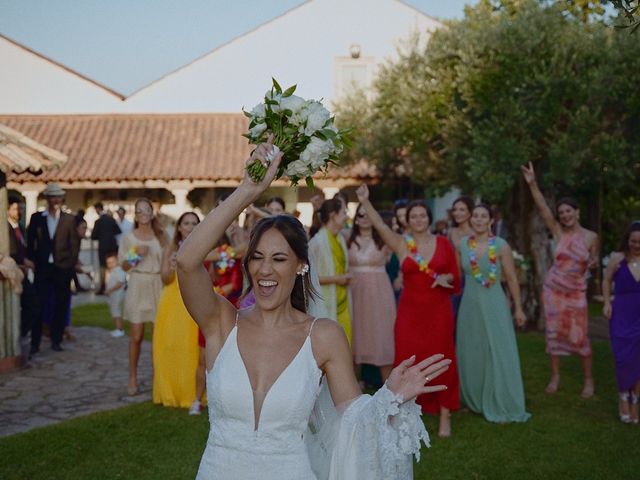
(303, 271)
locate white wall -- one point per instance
(32, 84)
(299, 47)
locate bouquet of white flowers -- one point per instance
(303, 131)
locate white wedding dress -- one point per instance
(299, 434)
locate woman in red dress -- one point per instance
(425, 322)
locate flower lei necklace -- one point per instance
(475, 269)
(419, 259)
(227, 259)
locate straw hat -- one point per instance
(53, 190)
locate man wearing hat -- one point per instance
(53, 245)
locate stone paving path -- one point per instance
(89, 376)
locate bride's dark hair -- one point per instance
(293, 232)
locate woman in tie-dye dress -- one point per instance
(564, 293)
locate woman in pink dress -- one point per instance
(564, 293)
(373, 302)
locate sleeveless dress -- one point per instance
(276, 448)
(300, 435)
(374, 305)
(425, 322)
(175, 350)
(624, 327)
(145, 285)
(564, 298)
(488, 359)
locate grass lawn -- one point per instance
(98, 315)
(567, 437)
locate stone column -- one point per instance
(31, 200)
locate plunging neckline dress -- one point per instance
(273, 447)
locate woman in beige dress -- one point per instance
(140, 255)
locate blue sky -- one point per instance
(126, 44)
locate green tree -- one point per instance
(513, 82)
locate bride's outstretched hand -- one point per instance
(265, 152)
(411, 379)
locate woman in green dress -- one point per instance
(488, 361)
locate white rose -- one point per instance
(318, 116)
(259, 111)
(293, 103)
(300, 115)
(257, 130)
(297, 169)
(316, 153)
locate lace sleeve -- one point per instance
(374, 438)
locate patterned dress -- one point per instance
(564, 298)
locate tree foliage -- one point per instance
(513, 82)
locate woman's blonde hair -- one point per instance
(156, 226)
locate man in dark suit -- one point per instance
(105, 230)
(53, 245)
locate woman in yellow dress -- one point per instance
(175, 339)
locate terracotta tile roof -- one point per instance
(19, 153)
(142, 147)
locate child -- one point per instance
(116, 281)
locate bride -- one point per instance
(268, 366)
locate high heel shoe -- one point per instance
(624, 401)
(635, 398)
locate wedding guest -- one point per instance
(18, 251)
(124, 225)
(623, 313)
(175, 336)
(52, 246)
(461, 215)
(490, 378)
(116, 281)
(329, 250)
(316, 202)
(400, 212)
(105, 231)
(275, 206)
(430, 274)
(140, 255)
(564, 293)
(372, 296)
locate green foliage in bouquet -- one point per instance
(303, 131)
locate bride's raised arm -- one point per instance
(205, 306)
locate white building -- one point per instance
(323, 46)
